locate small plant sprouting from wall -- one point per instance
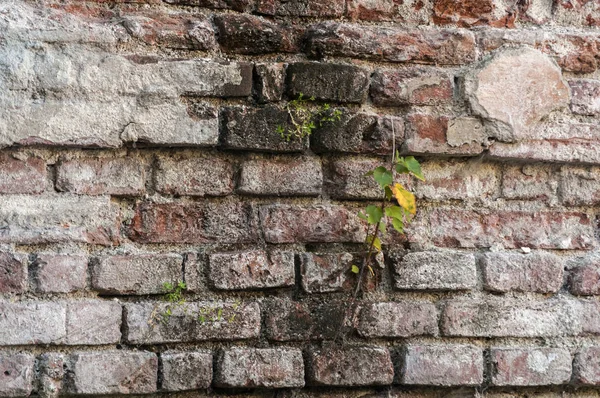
(304, 118)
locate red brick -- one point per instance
(38, 322)
(408, 11)
(398, 319)
(253, 269)
(16, 374)
(248, 34)
(13, 273)
(356, 366)
(578, 13)
(283, 176)
(317, 223)
(101, 176)
(206, 176)
(443, 365)
(512, 229)
(530, 366)
(529, 182)
(93, 322)
(429, 134)
(301, 8)
(260, 367)
(22, 174)
(467, 13)
(442, 47)
(580, 186)
(60, 273)
(585, 276)
(327, 272)
(347, 178)
(199, 222)
(537, 272)
(504, 317)
(411, 86)
(586, 367)
(585, 97)
(136, 274)
(237, 5)
(183, 370)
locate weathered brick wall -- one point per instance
(140, 147)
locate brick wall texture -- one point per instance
(139, 146)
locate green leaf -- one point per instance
(402, 169)
(394, 212)
(414, 167)
(362, 216)
(398, 225)
(375, 241)
(355, 269)
(374, 214)
(388, 193)
(383, 176)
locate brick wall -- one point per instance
(139, 146)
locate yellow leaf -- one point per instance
(405, 198)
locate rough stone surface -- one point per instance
(398, 319)
(334, 8)
(443, 365)
(530, 367)
(269, 81)
(113, 372)
(537, 272)
(447, 180)
(586, 368)
(146, 322)
(60, 273)
(139, 274)
(298, 176)
(580, 186)
(411, 86)
(13, 273)
(93, 322)
(408, 11)
(207, 176)
(25, 176)
(31, 322)
(359, 366)
(16, 374)
(467, 13)
(514, 90)
(347, 178)
(183, 370)
(327, 82)
(260, 367)
(248, 34)
(444, 270)
(584, 277)
(529, 182)
(326, 272)
(51, 374)
(254, 269)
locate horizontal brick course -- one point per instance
(60, 273)
(20, 175)
(206, 176)
(398, 319)
(530, 366)
(186, 370)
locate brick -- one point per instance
(409, 11)
(146, 323)
(247, 34)
(429, 270)
(529, 182)
(503, 317)
(193, 271)
(183, 371)
(236, 5)
(467, 13)
(539, 90)
(586, 369)
(51, 372)
(443, 365)
(589, 315)
(317, 223)
(580, 186)
(454, 180)
(269, 82)
(206, 176)
(441, 47)
(113, 372)
(537, 272)
(22, 174)
(398, 319)
(326, 272)
(60, 273)
(283, 176)
(260, 367)
(530, 366)
(347, 178)
(511, 229)
(253, 269)
(198, 222)
(328, 82)
(584, 278)
(13, 273)
(411, 86)
(136, 274)
(31, 322)
(255, 129)
(93, 322)
(356, 366)
(429, 134)
(358, 133)
(53, 219)
(584, 13)
(299, 8)
(287, 320)
(16, 374)
(585, 97)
